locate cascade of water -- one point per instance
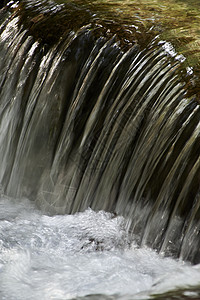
(84, 124)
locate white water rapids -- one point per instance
(70, 256)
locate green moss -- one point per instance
(132, 21)
(49, 28)
(176, 21)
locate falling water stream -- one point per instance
(100, 160)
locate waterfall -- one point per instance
(85, 123)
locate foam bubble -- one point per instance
(71, 256)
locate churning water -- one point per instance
(89, 253)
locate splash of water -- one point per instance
(71, 256)
(85, 124)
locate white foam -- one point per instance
(64, 257)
